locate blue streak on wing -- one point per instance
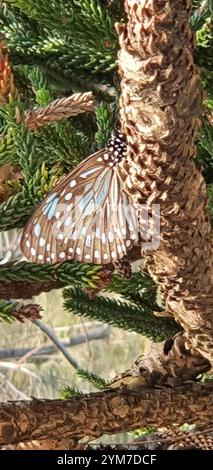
(89, 209)
(51, 197)
(85, 199)
(100, 178)
(49, 209)
(103, 191)
(90, 172)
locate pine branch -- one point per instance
(14, 211)
(93, 379)
(61, 14)
(105, 412)
(117, 313)
(10, 311)
(68, 392)
(8, 150)
(105, 118)
(60, 274)
(41, 90)
(60, 109)
(89, 24)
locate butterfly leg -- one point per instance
(123, 267)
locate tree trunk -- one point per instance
(160, 102)
(107, 412)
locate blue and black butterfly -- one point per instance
(87, 216)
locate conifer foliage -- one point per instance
(50, 50)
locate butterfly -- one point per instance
(86, 216)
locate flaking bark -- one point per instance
(107, 412)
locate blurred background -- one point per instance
(27, 370)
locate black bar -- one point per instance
(97, 459)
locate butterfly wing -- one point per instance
(85, 217)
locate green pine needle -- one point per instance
(69, 392)
(127, 316)
(92, 378)
(6, 309)
(63, 274)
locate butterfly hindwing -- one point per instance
(86, 217)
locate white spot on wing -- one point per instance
(88, 241)
(37, 230)
(98, 233)
(68, 221)
(42, 241)
(68, 196)
(74, 235)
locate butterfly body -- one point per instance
(86, 216)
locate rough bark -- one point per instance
(107, 412)
(160, 102)
(48, 444)
(169, 363)
(25, 290)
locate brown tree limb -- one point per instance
(169, 363)
(107, 412)
(47, 444)
(26, 290)
(160, 102)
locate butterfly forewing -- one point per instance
(86, 217)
